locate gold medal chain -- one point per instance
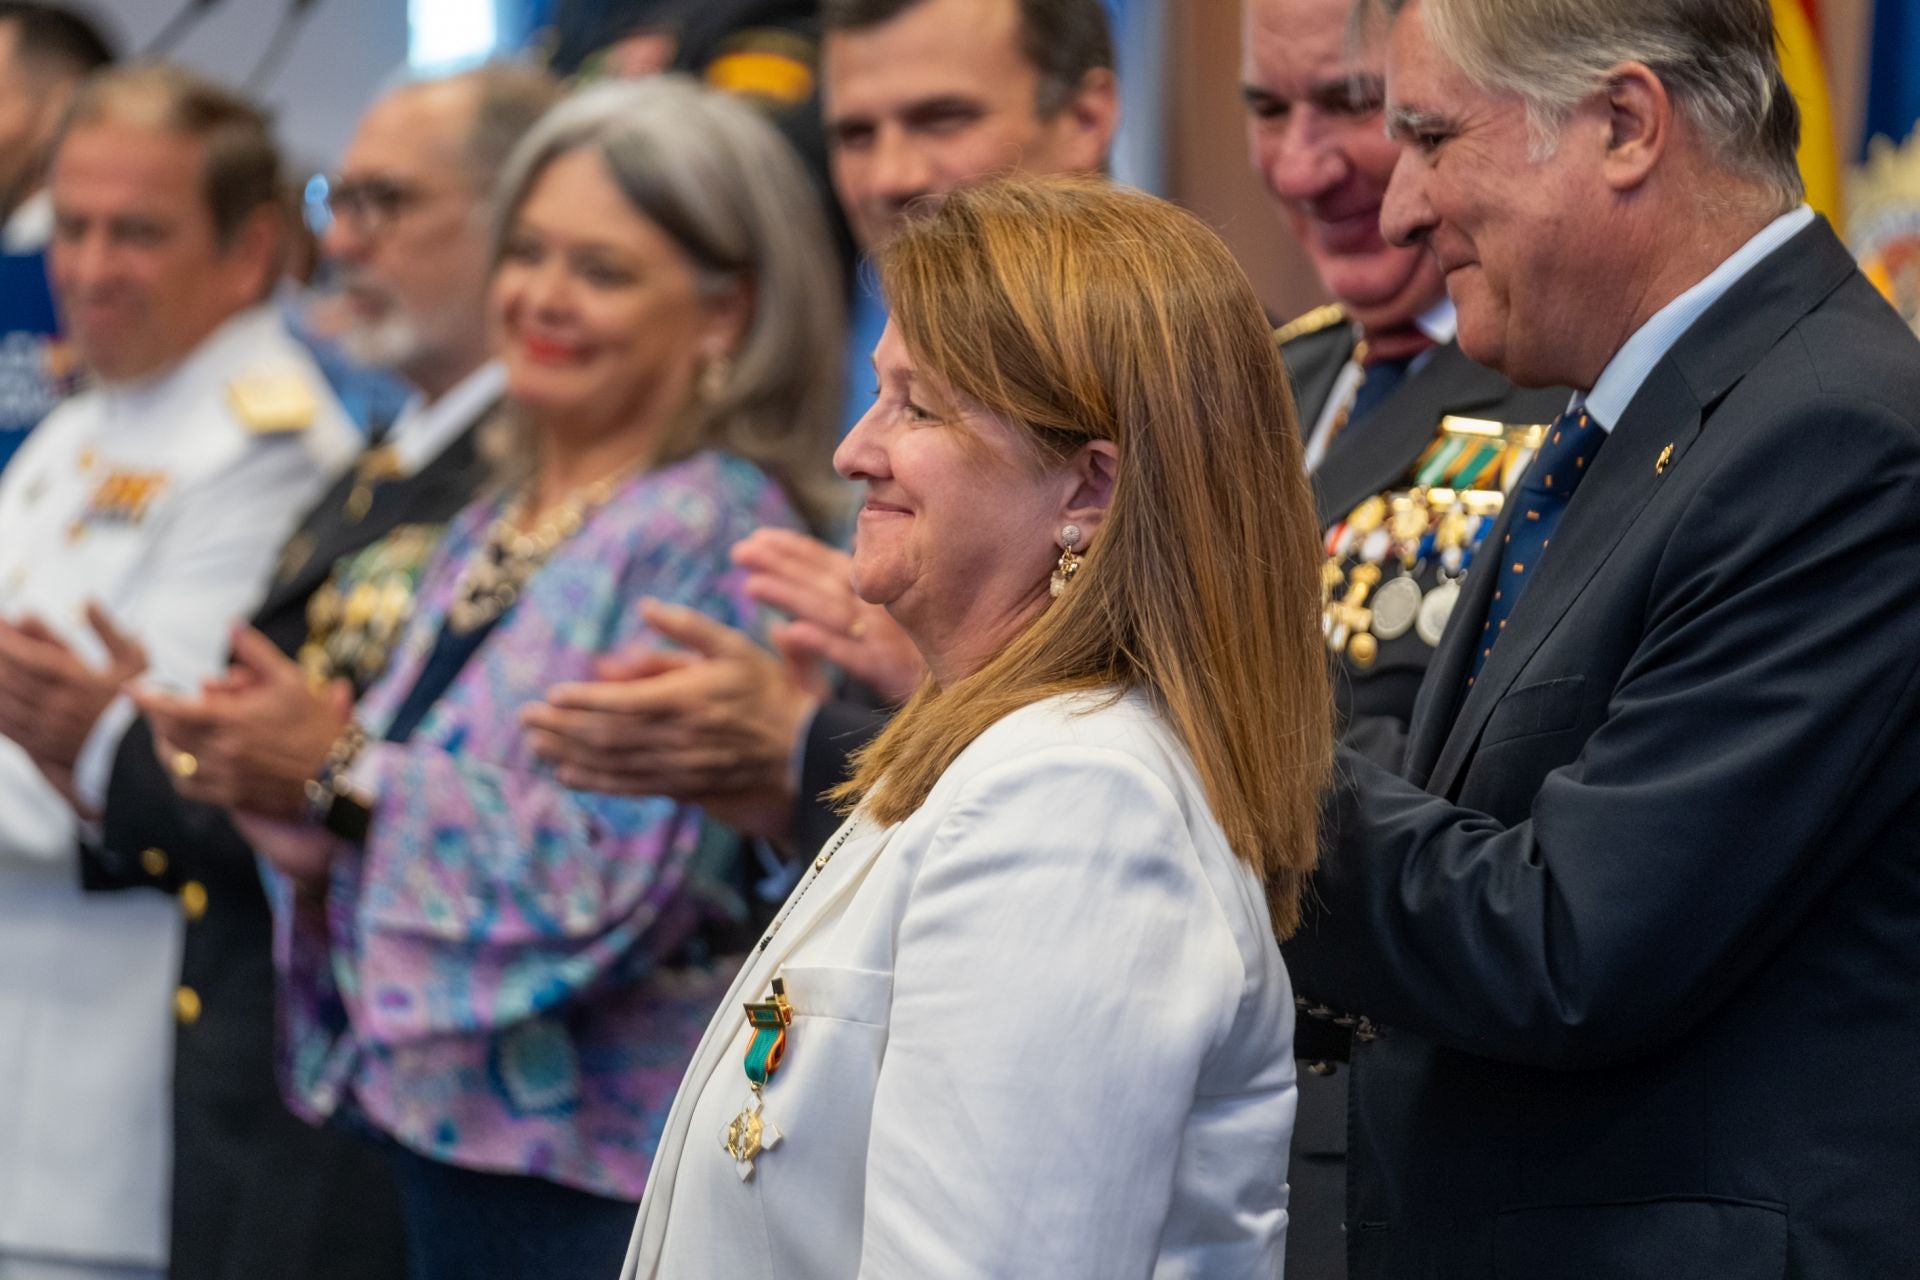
(819, 865)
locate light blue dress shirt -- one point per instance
(1624, 375)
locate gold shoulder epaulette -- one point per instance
(1313, 322)
(273, 403)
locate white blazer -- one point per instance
(1041, 1030)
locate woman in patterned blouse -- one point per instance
(499, 974)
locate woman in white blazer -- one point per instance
(1024, 1016)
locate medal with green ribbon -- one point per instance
(751, 1132)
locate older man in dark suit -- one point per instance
(1632, 942)
(1375, 374)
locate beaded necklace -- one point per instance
(509, 555)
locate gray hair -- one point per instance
(718, 179)
(1717, 58)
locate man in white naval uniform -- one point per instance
(159, 495)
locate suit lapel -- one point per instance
(1668, 412)
(842, 868)
(845, 871)
(1374, 454)
(1314, 364)
(1617, 488)
(442, 487)
(326, 534)
(305, 560)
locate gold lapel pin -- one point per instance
(1660, 463)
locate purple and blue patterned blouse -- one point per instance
(485, 984)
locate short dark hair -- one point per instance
(1062, 39)
(242, 167)
(56, 39)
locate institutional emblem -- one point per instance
(1884, 222)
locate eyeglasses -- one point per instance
(373, 204)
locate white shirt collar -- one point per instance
(252, 328)
(423, 431)
(1624, 375)
(30, 226)
(1439, 322)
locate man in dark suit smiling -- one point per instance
(1633, 938)
(1375, 374)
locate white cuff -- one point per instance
(364, 776)
(93, 767)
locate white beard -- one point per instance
(391, 342)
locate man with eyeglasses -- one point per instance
(255, 1191)
(407, 245)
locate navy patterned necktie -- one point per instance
(1381, 380)
(1566, 453)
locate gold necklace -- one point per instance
(498, 570)
(819, 865)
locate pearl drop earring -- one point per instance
(1071, 538)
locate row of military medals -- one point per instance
(1370, 585)
(356, 617)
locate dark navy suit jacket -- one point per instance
(1642, 922)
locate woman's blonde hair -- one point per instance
(1080, 311)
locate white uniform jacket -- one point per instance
(160, 501)
(1041, 1030)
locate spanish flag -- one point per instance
(1805, 66)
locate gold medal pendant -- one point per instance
(1363, 650)
(751, 1132)
(747, 1135)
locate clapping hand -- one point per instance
(250, 739)
(49, 697)
(715, 724)
(813, 584)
